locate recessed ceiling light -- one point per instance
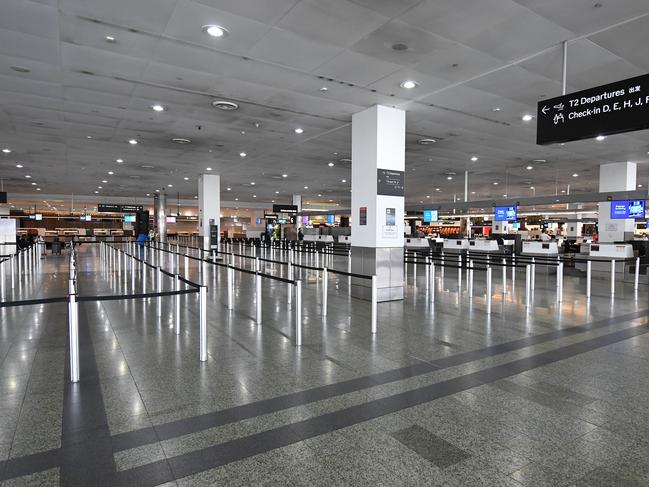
(186, 178)
(254, 195)
(529, 168)
(181, 140)
(408, 84)
(426, 141)
(495, 183)
(474, 158)
(496, 109)
(6, 151)
(531, 187)
(574, 175)
(427, 196)
(599, 138)
(96, 192)
(437, 189)
(639, 185)
(208, 168)
(527, 117)
(504, 196)
(324, 88)
(119, 161)
(38, 189)
(299, 130)
(100, 187)
(252, 183)
(472, 192)
(563, 190)
(242, 154)
(343, 181)
(110, 38)
(331, 164)
(227, 106)
(276, 192)
(170, 185)
(449, 177)
(27, 176)
(158, 108)
(132, 141)
(284, 175)
(148, 194)
(306, 187)
(111, 172)
(228, 189)
(19, 166)
(104, 181)
(215, 30)
(33, 183)
(236, 199)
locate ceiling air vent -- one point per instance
(426, 141)
(227, 106)
(180, 140)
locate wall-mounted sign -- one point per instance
(270, 216)
(614, 108)
(390, 183)
(505, 214)
(362, 217)
(390, 217)
(285, 209)
(114, 208)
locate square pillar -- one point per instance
(209, 207)
(618, 176)
(378, 165)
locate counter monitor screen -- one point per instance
(170, 219)
(38, 216)
(628, 209)
(129, 218)
(331, 219)
(505, 213)
(431, 216)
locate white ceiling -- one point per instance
(468, 56)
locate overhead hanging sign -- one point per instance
(285, 209)
(390, 183)
(614, 108)
(114, 208)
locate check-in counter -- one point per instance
(454, 245)
(540, 248)
(416, 243)
(319, 238)
(347, 239)
(482, 245)
(601, 255)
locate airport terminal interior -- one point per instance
(324, 243)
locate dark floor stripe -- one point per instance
(241, 448)
(133, 439)
(42, 461)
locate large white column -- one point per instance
(209, 206)
(618, 176)
(160, 200)
(297, 201)
(378, 144)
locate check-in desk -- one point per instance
(482, 245)
(346, 239)
(545, 249)
(601, 255)
(416, 243)
(456, 246)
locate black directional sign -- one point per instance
(390, 183)
(615, 108)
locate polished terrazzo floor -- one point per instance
(442, 395)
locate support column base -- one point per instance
(387, 264)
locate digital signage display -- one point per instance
(505, 213)
(431, 216)
(627, 209)
(331, 219)
(129, 218)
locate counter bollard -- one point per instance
(158, 285)
(325, 285)
(612, 277)
(73, 331)
(560, 282)
(528, 285)
(374, 305)
(230, 287)
(177, 305)
(504, 276)
(12, 269)
(202, 317)
(258, 302)
(298, 313)
(636, 277)
(489, 290)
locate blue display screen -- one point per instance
(628, 209)
(431, 216)
(505, 213)
(331, 219)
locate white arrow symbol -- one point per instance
(545, 110)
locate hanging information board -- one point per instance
(390, 183)
(614, 108)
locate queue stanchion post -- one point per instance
(177, 304)
(488, 297)
(636, 276)
(374, 305)
(298, 313)
(2, 279)
(158, 285)
(612, 278)
(258, 301)
(504, 271)
(533, 275)
(589, 275)
(528, 284)
(12, 269)
(202, 318)
(230, 287)
(289, 274)
(471, 279)
(325, 282)
(560, 282)
(73, 331)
